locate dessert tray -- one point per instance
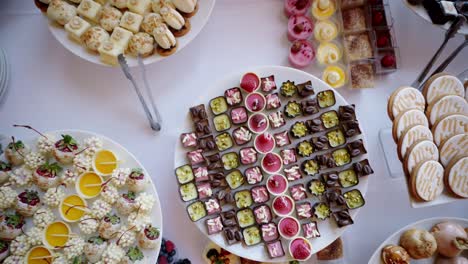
(425, 224)
(280, 152)
(99, 30)
(430, 129)
(421, 12)
(353, 42)
(73, 195)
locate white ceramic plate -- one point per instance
(328, 229)
(421, 12)
(197, 22)
(129, 161)
(426, 224)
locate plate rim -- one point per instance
(376, 255)
(131, 61)
(258, 68)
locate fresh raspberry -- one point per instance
(383, 41)
(378, 18)
(162, 260)
(388, 61)
(301, 4)
(169, 246)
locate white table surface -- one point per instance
(52, 89)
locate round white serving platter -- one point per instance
(197, 22)
(425, 224)
(421, 12)
(328, 228)
(128, 161)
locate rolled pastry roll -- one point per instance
(94, 37)
(151, 21)
(173, 18)
(164, 37)
(110, 18)
(186, 6)
(141, 43)
(60, 11)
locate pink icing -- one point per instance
(260, 194)
(268, 84)
(201, 174)
(272, 101)
(269, 232)
(195, 157)
(299, 27)
(282, 139)
(212, 206)
(262, 214)
(248, 156)
(233, 96)
(254, 175)
(255, 102)
(189, 140)
(301, 53)
(304, 211)
(239, 115)
(300, 249)
(277, 119)
(204, 190)
(277, 184)
(298, 192)
(283, 205)
(289, 227)
(258, 123)
(264, 143)
(275, 249)
(289, 156)
(310, 230)
(272, 163)
(296, 7)
(242, 135)
(250, 82)
(293, 173)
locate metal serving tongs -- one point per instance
(451, 32)
(155, 122)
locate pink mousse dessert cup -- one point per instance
(250, 82)
(300, 27)
(264, 143)
(300, 249)
(301, 54)
(258, 123)
(255, 102)
(277, 184)
(296, 7)
(283, 205)
(272, 163)
(289, 227)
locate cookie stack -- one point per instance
(431, 131)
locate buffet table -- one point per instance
(52, 89)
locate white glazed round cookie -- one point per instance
(410, 136)
(420, 152)
(449, 104)
(456, 177)
(440, 85)
(405, 98)
(449, 126)
(408, 119)
(453, 147)
(427, 180)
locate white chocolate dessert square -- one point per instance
(139, 6)
(90, 10)
(110, 18)
(109, 52)
(60, 11)
(76, 27)
(131, 21)
(118, 3)
(121, 37)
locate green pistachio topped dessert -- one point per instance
(288, 89)
(305, 149)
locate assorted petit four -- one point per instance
(244, 170)
(301, 53)
(300, 248)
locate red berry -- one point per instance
(388, 61)
(162, 260)
(382, 41)
(378, 18)
(301, 4)
(169, 246)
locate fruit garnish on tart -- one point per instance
(49, 170)
(152, 232)
(67, 144)
(14, 220)
(29, 197)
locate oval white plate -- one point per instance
(328, 229)
(198, 21)
(426, 224)
(421, 12)
(128, 161)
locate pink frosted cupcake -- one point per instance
(300, 27)
(301, 53)
(296, 7)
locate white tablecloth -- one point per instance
(52, 89)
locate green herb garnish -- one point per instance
(52, 168)
(134, 254)
(112, 218)
(97, 240)
(4, 166)
(15, 145)
(14, 220)
(152, 232)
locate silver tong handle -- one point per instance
(451, 57)
(456, 24)
(155, 125)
